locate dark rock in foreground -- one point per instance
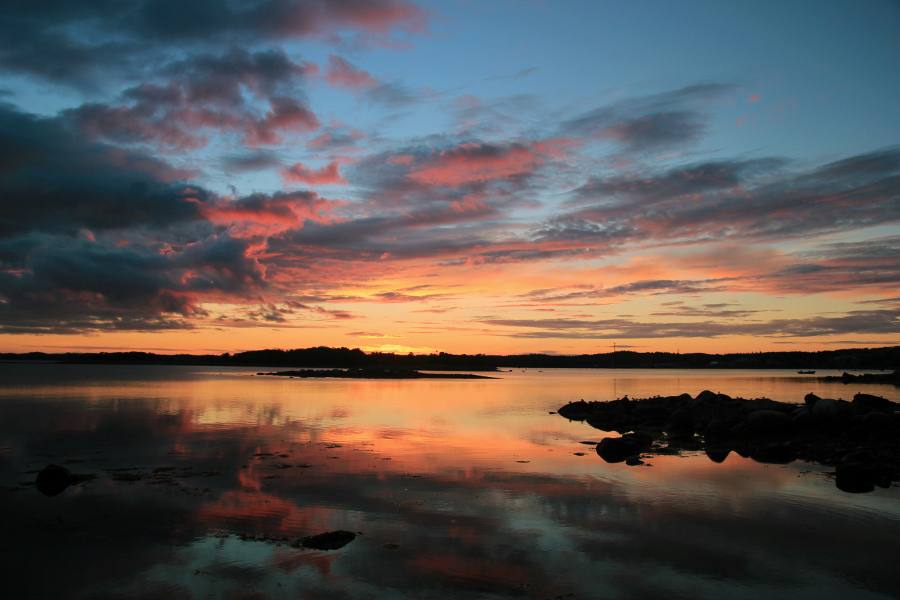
(860, 438)
(374, 374)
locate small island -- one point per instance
(373, 374)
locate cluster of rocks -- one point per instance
(860, 438)
(893, 377)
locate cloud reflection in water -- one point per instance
(428, 472)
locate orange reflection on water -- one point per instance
(469, 487)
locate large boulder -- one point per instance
(878, 420)
(801, 417)
(704, 398)
(650, 410)
(680, 420)
(768, 421)
(717, 429)
(767, 404)
(874, 402)
(829, 407)
(680, 400)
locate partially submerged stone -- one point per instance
(616, 450)
(53, 479)
(331, 540)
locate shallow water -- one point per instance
(477, 491)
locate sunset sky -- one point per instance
(496, 176)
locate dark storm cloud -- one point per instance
(94, 237)
(51, 180)
(114, 285)
(652, 122)
(77, 42)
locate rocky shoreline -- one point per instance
(861, 439)
(892, 378)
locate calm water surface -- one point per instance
(461, 489)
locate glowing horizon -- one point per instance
(438, 176)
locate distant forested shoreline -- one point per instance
(324, 357)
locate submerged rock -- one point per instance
(53, 479)
(331, 540)
(616, 450)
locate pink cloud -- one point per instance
(340, 73)
(261, 214)
(286, 114)
(470, 208)
(336, 136)
(300, 173)
(370, 15)
(166, 117)
(470, 163)
(754, 98)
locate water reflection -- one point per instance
(460, 489)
